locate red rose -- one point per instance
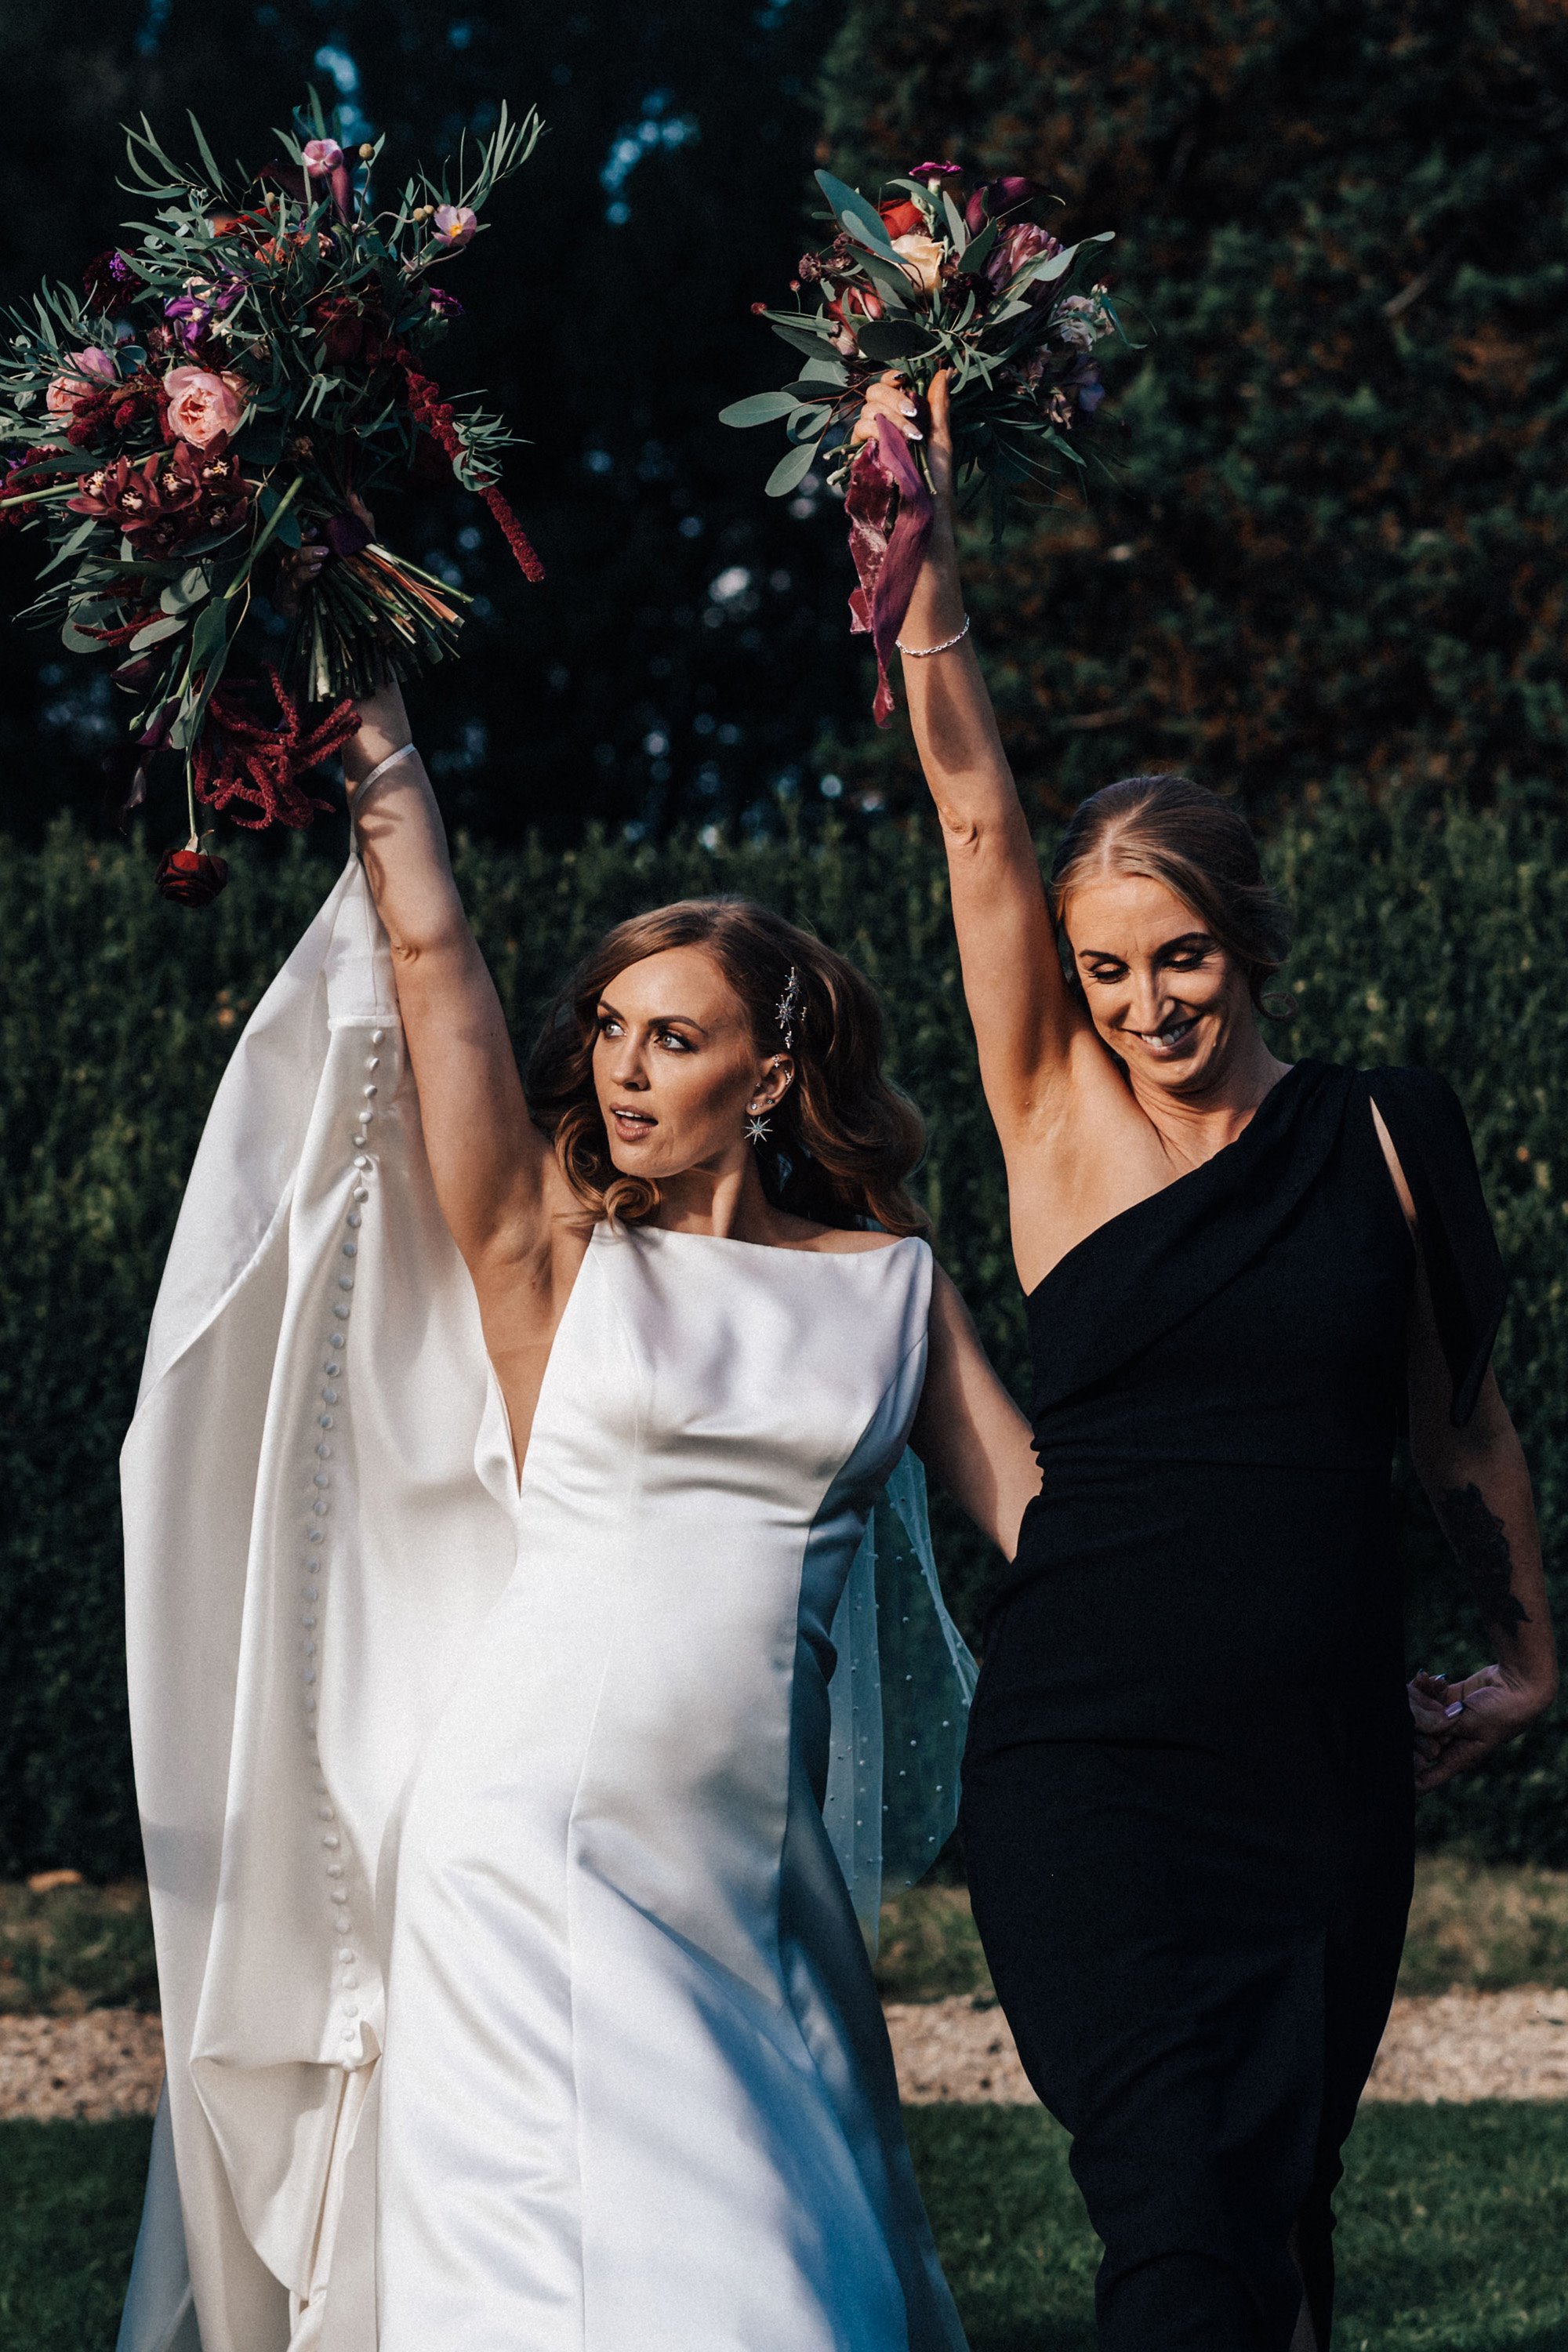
(189, 878)
(903, 218)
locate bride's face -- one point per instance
(675, 1066)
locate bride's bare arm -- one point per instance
(491, 1167)
(968, 1432)
(1027, 1023)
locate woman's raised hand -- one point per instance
(929, 422)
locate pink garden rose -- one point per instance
(202, 405)
(454, 225)
(65, 391)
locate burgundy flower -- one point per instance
(1016, 246)
(937, 172)
(109, 285)
(444, 305)
(189, 878)
(170, 498)
(240, 760)
(996, 197)
(352, 327)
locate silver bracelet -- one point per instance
(382, 766)
(924, 653)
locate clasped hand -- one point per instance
(1458, 1724)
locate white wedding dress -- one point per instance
(514, 1995)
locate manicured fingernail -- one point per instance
(1450, 1712)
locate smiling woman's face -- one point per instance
(676, 1066)
(1161, 991)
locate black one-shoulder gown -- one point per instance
(1188, 1811)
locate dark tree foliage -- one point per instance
(627, 687)
(1336, 542)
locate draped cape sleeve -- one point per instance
(316, 1523)
(1458, 1247)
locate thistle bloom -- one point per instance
(455, 226)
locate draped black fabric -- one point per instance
(1188, 1808)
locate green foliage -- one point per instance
(1449, 2239)
(1333, 546)
(72, 2197)
(1426, 936)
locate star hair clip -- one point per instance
(791, 1006)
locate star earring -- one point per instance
(757, 1128)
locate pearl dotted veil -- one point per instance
(900, 1699)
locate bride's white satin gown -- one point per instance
(513, 1998)
(635, 2090)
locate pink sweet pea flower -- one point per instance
(454, 225)
(322, 157)
(201, 406)
(65, 391)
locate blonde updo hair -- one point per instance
(844, 1139)
(1182, 833)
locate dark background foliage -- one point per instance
(689, 648)
(1425, 938)
(1334, 547)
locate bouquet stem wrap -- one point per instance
(890, 512)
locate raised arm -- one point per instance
(1030, 1028)
(493, 1170)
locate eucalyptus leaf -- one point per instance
(759, 408)
(893, 338)
(824, 371)
(790, 469)
(858, 214)
(978, 251)
(169, 625)
(803, 339)
(957, 228)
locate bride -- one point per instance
(490, 1627)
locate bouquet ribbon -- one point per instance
(890, 510)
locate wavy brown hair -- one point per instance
(844, 1139)
(1182, 833)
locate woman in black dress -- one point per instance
(1188, 1794)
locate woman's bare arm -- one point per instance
(969, 1433)
(491, 1166)
(1030, 1026)
(1479, 1488)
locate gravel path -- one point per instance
(1461, 2046)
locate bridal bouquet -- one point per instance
(232, 382)
(931, 276)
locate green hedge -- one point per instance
(1426, 936)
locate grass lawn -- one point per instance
(1452, 2241)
